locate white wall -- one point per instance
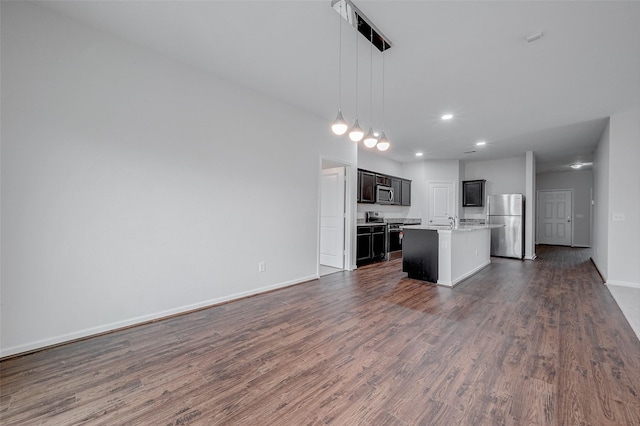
(134, 187)
(600, 229)
(616, 243)
(530, 207)
(581, 182)
(421, 172)
(624, 198)
(369, 160)
(505, 176)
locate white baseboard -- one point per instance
(623, 284)
(463, 277)
(93, 331)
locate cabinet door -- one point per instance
(405, 199)
(396, 185)
(359, 186)
(383, 180)
(378, 243)
(473, 193)
(363, 248)
(367, 187)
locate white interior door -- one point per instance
(332, 217)
(555, 217)
(441, 202)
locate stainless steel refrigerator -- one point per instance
(507, 210)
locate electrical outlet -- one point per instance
(262, 266)
(618, 217)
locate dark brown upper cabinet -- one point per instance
(473, 193)
(367, 187)
(367, 182)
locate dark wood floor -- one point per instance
(519, 343)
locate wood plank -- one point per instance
(539, 342)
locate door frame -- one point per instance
(333, 186)
(349, 210)
(538, 206)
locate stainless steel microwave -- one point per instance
(384, 194)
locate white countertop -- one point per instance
(447, 228)
(392, 221)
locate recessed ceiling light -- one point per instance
(481, 143)
(419, 154)
(576, 166)
(447, 116)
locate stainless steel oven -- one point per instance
(394, 236)
(393, 232)
(394, 240)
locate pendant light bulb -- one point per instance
(356, 133)
(383, 142)
(370, 140)
(339, 126)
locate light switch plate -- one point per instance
(618, 217)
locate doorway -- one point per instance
(555, 217)
(333, 218)
(440, 202)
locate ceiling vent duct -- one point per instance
(356, 18)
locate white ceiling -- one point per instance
(552, 96)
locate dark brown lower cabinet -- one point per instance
(371, 244)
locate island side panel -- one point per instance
(470, 252)
(420, 254)
(445, 257)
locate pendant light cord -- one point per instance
(340, 59)
(371, 76)
(357, 70)
(383, 117)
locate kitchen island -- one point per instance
(445, 255)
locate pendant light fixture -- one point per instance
(339, 125)
(362, 25)
(383, 142)
(356, 133)
(370, 140)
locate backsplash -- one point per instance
(473, 221)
